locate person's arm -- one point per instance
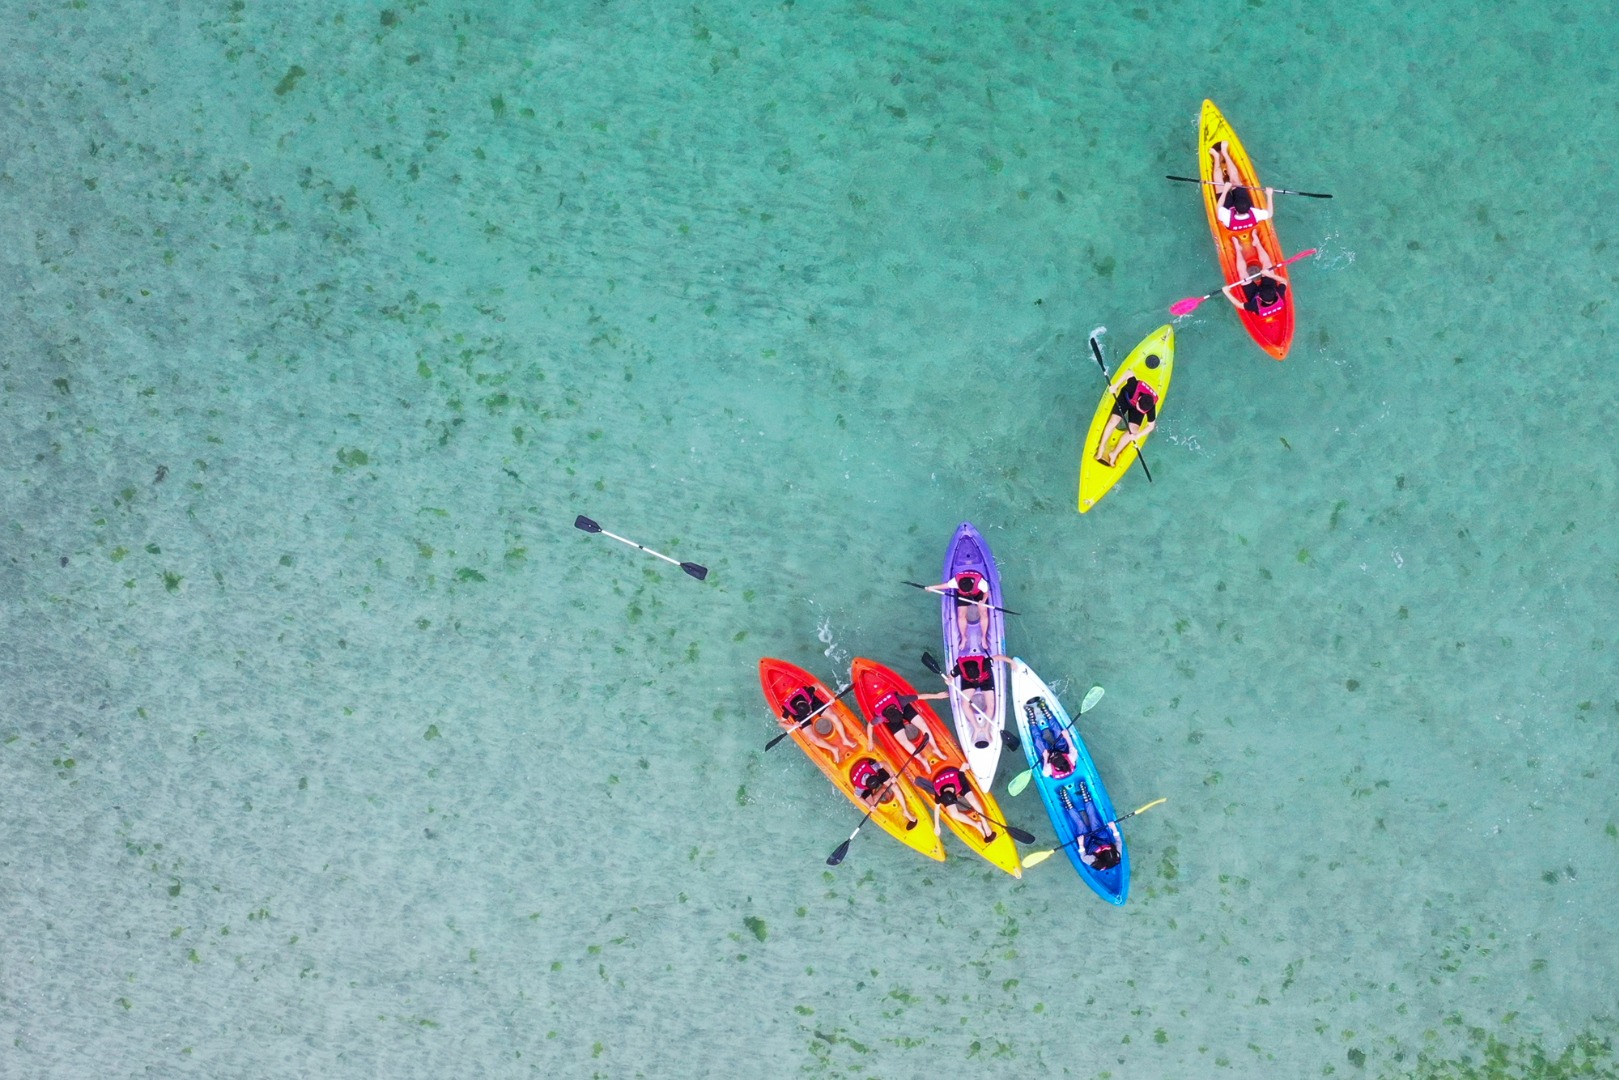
(941, 695)
(1231, 296)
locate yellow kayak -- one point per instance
(1151, 362)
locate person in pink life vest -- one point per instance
(954, 793)
(896, 713)
(972, 599)
(1258, 288)
(1135, 404)
(1233, 200)
(975, 678)
(798, 707)
(875, 786)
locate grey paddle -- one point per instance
(698, 572)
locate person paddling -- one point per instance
(1233, 200)
(875, 786)
(896, 713)
(1258, 288)
(1097, 840)
(972, 601)
(974, 674)
(953, 791)
(798, 707)
(1135, 405)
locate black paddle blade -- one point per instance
(837, 856)
(931, 664)
(1022, 836)
(698, 572)
(925, 784)
(1010, 740)
(582, 522)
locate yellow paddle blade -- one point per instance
(1150, 805)
(1019, 782)
(1035, 858)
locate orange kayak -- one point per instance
(781, 681)
(1273, 332)
(873, 683)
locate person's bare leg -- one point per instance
(1107, 432)
(1124, 440)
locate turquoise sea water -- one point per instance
(329, 747)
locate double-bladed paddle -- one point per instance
(1096, 351)
(582, 522)
(1252, 187)
(843, 848)
(1009, 739)
(954, 592)
(1035, 857)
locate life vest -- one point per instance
(975, 585)
(891, 703)
(803, 702)
(975, 672)
(1142, 392)
(950, 779)
(1239, 220)
(1047, 741)
(1261, 309)
(867, 776)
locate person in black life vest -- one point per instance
(1135, 405)
(1259, 289)
(1234, 203)
(1097, 841)
(1056, 752)
(875, 786)
(799, 705)
(896, 713)
(975, 678)
(972, 602)
(955, 795)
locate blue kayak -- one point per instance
(1077, 802)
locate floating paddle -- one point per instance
(1021, 780)
(1189, 305)
(1096, 351)
(582, 522)
(805, 722)
(843, 848)
(1035, 857)
(1009, 739)
(1253, 187)
(1022, 836)
(953, 592)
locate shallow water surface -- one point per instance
(329, 746)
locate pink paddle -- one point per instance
(1189, 305)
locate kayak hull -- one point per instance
(1028, 692)
(1274, 332)
(873, 682)
(780, 680)
(969, 551)
(1095, 478)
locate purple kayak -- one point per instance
(980, 715)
